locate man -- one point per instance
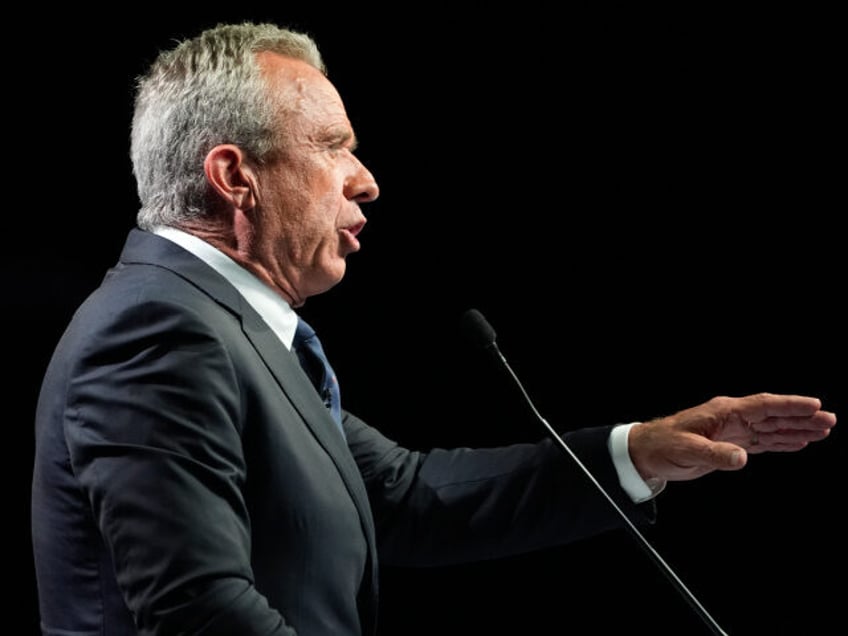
(189, 478)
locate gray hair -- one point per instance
(206, 91)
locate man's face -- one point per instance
(308, 212)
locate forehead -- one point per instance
(303, 89)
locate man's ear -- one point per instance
(230, 176)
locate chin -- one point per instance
(328, 278)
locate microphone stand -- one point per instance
(486, 335)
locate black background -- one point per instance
(645, 204)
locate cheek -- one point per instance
(309, 232)
(319, 216)
(303, 209)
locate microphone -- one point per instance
(479, 332)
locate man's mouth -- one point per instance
(355, 229)
(349, 233)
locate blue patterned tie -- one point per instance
(313, 360)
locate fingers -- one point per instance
(780, 423)
(783, 423)
(784, 441)
(818, 421)
(761, 406)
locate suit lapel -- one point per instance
(283, 364)
(145, 247)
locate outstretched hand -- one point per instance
(719, 434)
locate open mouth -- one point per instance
(349, 233)
(355, 229)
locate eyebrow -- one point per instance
(350, 139)
(343, 136)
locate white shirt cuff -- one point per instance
(631, 481)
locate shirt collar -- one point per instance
(273, 309)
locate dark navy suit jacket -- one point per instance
(189, 480)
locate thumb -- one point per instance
(726, 456)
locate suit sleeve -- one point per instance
(490, 502)
(153, 429)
